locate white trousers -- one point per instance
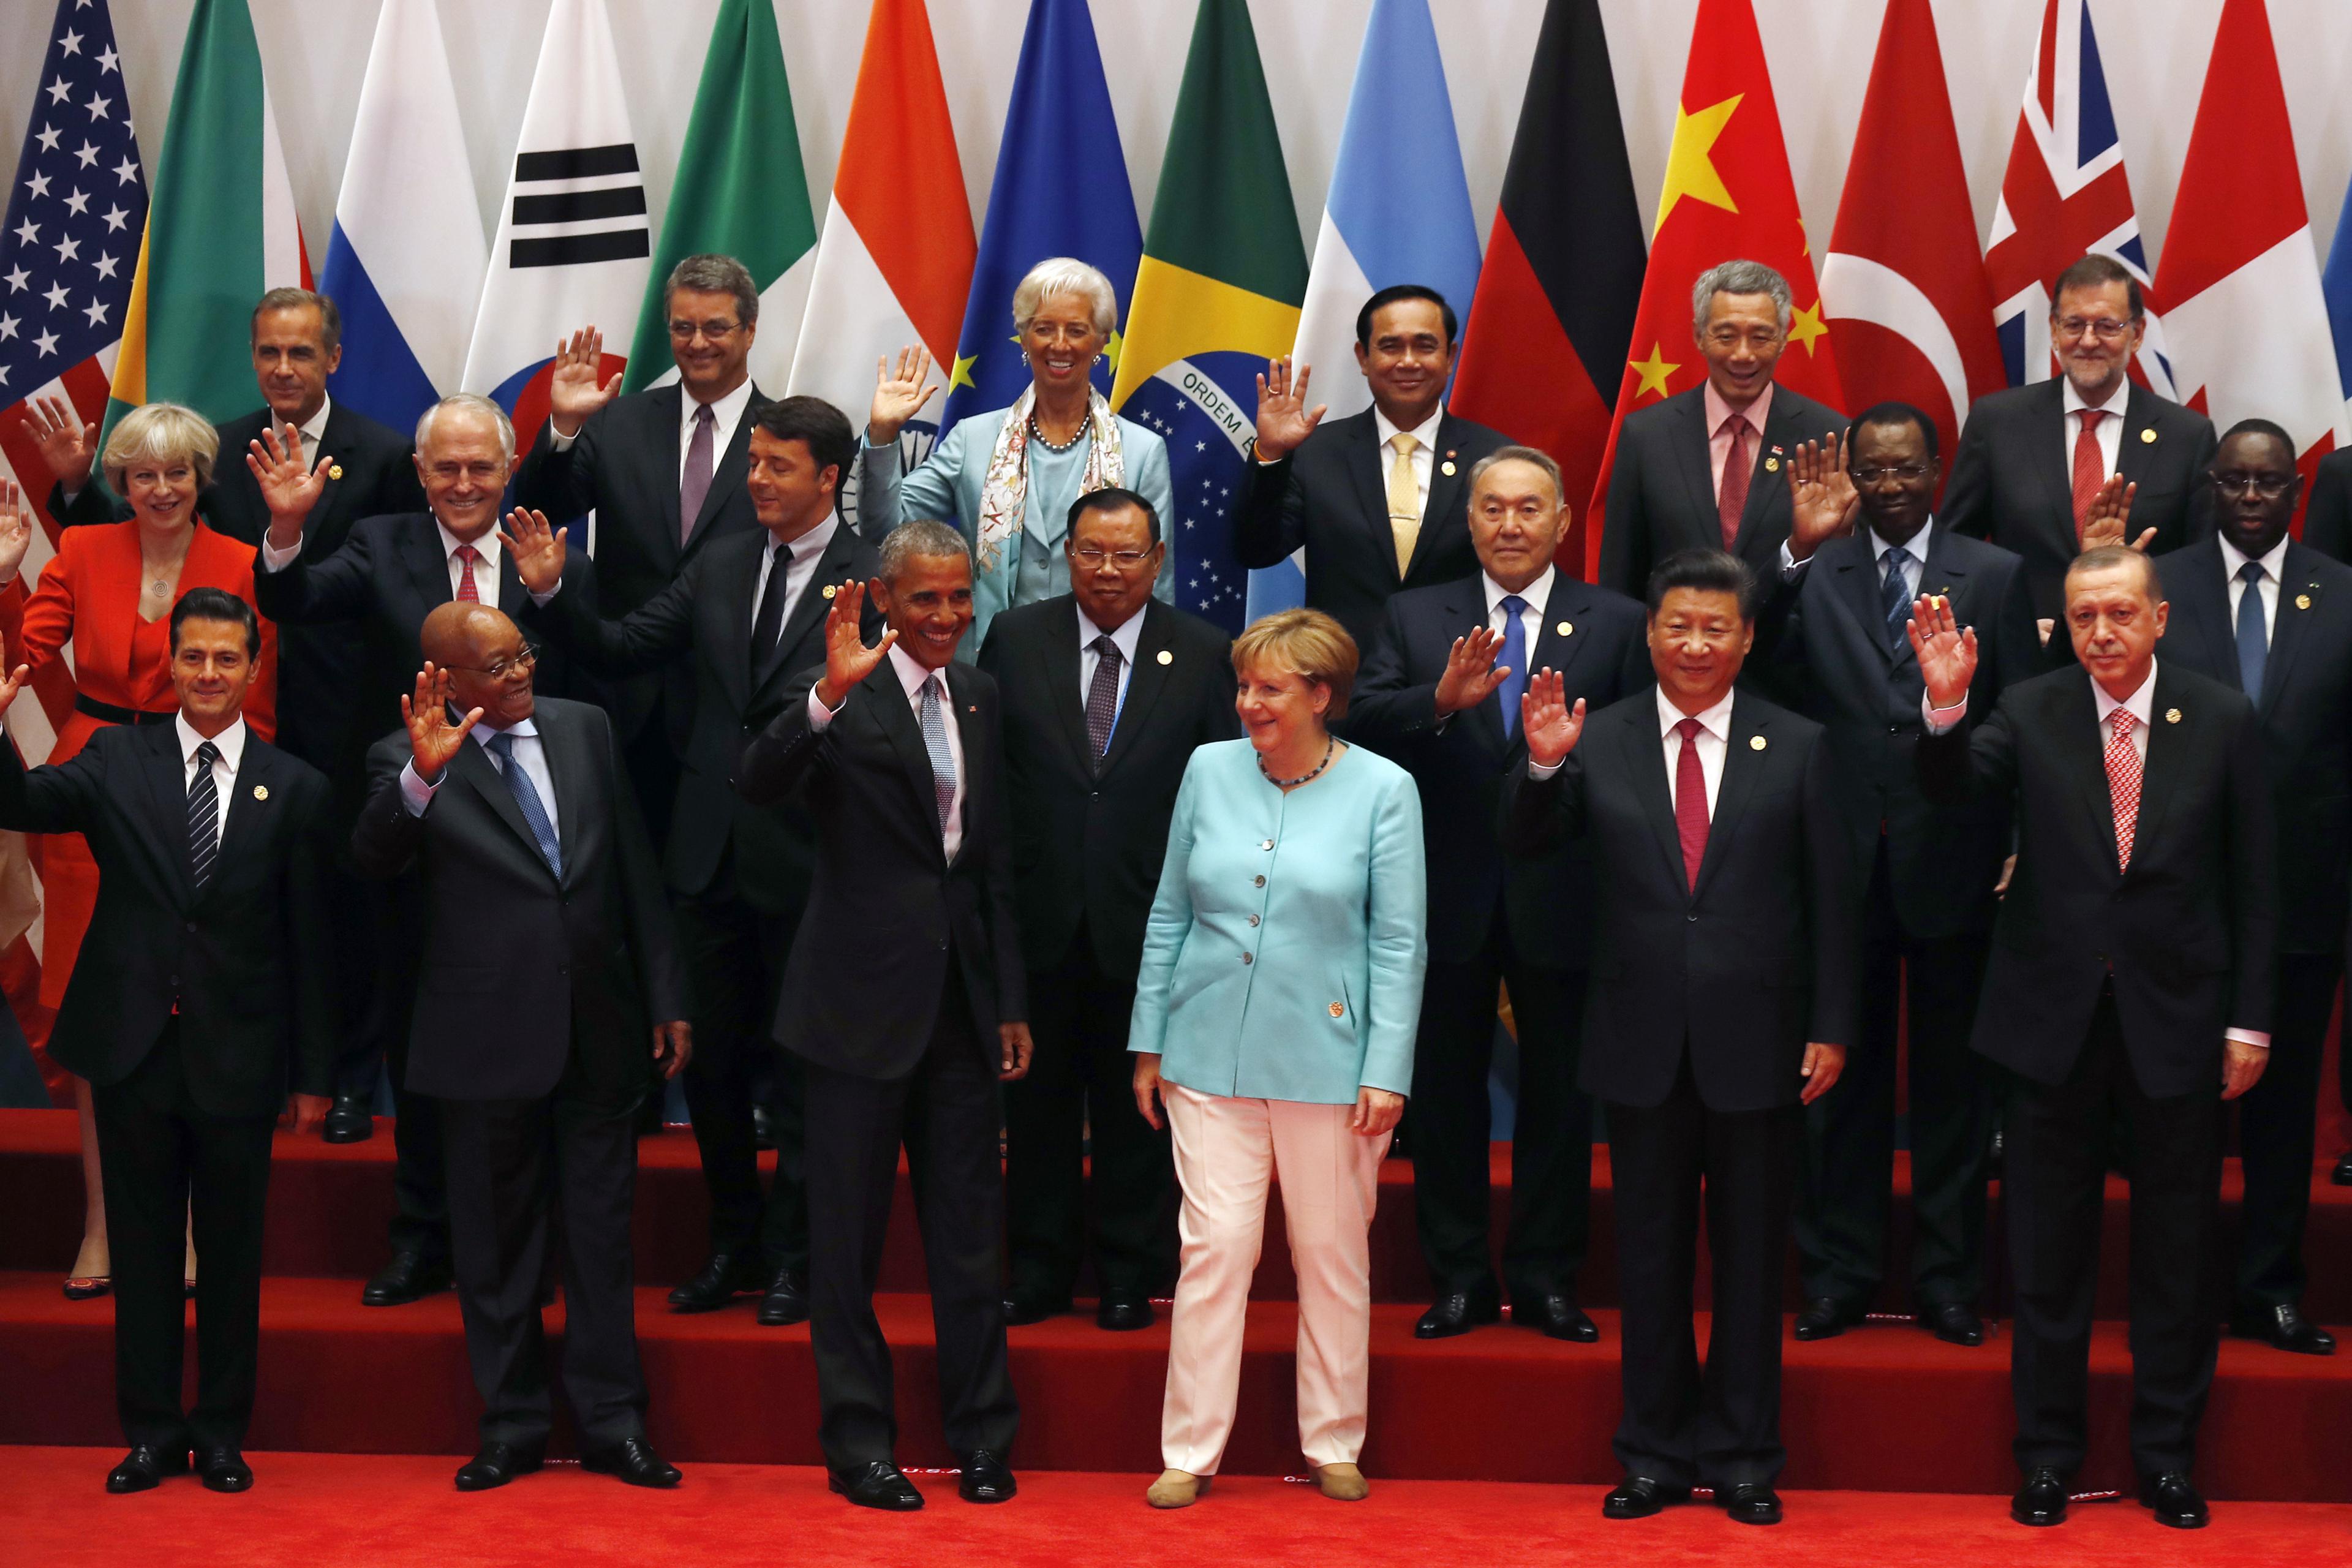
(1227, 1150)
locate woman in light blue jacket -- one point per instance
(1274, 1023)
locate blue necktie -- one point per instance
(534, 814)
(1515, 659)
(935, 742)
(2253, 641)
(1896, 595)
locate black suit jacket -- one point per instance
(1662, 487)
(2327, 519)
(2013, 480)
(246, 960)
(1330, 498)
(624, 466)
(2306, 718)
(523, 976)
(708, 611)
(1746, 969)
(886, 909)
(1546, 899)
(1088, 845)
(2188, 934)
(1827, 633)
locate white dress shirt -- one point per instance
(485, 570)
(1916, 549)
(312, 431)
(1126, 639)
(1537, 595)
(2233, 560)
(1424, 450)
(530, 753)
(2110, 433)
(1714, 742)
(807, 551)
(231, 742)
(911, 677)
(726, 413)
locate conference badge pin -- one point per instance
(334, 470)
(1338, 1009)
(831, 589)
(2172, 715)
(2147, 437)
(1755, 743)
(261, 792)
(2303, 601)
(1167, 657)
(1566, 628)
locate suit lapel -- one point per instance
(333, 442)
(2140, 447)
(1063, 652)
(2052, 461)
(1155, 661)
(420, 552)
(2298, 601)
(1445, 490)
(564, 744)
(1744, 758)
(1464, 612)
(1645, 756)
(1695, 461)
(978, 770)
(167, 776)
(664, 406)
(2166, 739)
(726, 476)
(2200, 595)
(2078, 715)
(886, 700)
(1766, 483)
(472, 763)
(254, 770)
(815, 601)
(1854, 578)
(1371, 473)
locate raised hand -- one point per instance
(1551, 726)
(1822, 498)
(536, 549)
(1284, 420)
(1946, 651)
(1470, 672)
(287, 488)
(16, 530)
(574, 389)
(2109, 520)
(433, 740)
(13, 684)
(68, 446)
(847, 659)
(899, 392)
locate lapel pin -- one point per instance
(2303, 601)
(1167, 657)
(830, 590)
(1338, 1009)
(1566, 628)
(1755, 743)
(334, 470)
(1771, 465)
(971, 708)
(1446, 468)
(261, 792)
(2147, 437)
(2172, 715)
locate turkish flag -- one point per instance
(1903, 279)
(1728, 196)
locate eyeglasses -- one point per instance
(2269, 487)
(1125, 560)
(1906, 472)
(2107, 329)
(717, 332)
(518, 662)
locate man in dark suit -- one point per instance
(2132, 973)
(896, 753)
(547, 966)
(205, 986)
(751, 610)
(392, 572)
(1439, 694)
(2253, 607)
(1374, 500)
(1723, 998)
(1105, 692)
(664, 470)
(2035, 461)
(1837, 625)
(1700, 470)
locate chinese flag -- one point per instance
(1728, 194)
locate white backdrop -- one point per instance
(315, 52)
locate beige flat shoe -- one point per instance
(1343, 1483)
(1177, 1488)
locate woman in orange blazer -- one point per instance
(110, 589)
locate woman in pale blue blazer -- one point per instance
(1007, 476)
(1273, 1024)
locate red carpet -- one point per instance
(308, 1509)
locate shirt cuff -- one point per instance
(562, 442)
(274, 559)
(540, 599)
(819, 714)
(1941, 721)
(415, 792)
(1539, 772)
(1790, 567)
(2257, 1038)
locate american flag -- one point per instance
(2063, 195)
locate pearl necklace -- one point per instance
(1038, 434)
(1330, 744)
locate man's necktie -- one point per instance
(467, 559)
(768, 621)
(2253, 639)
(2122, 782)
(204, 817)
(1514, 657)
(693, 484)
(534, 813)
(1690, 802)
(1895, 595)
(1102, 696)
(1731, 496)
(935, 742)
(2090, 467)
(1404, 500)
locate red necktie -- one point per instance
(1731, 496)
(2090, 467)
(2122, 782)
(1690, 802)
(466, 556)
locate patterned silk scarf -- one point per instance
(1004, 493)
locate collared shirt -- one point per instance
(726, 413)
(530, 754)
(911, 676)
(1714, 742)
(1126, 639)
(1535, 596)
(2233, 560)
(1424, 450)
(313, 430)
(1916, 547)
(2110, 433)
(485, 570)
(1719, 440)
(807, 551)
(231, 742)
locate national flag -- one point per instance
(2335, 282)
(2247, 315)
(405, 263)
(573, 245)
(1549, 331)
(2064, 195)
(1060, 189)
(1903, 279)
(1728, 194)
(1216, 296)
(741, 191)
(1398, 138)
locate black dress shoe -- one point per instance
(2285, 1328)
(1639, 1497)
(223, 1470)
(1123, 1311)
(633, 1459)
(786, 1301)
(986, 1477)
(495, 1466)
(2176, 1502)
(1021, 1309)
(2041, 1499)
(145, 1468)
(407, 1278)
(876, 1484)
(1953, 1323)
(1554, 1316)
(348, 1121)
(2342, 1174)
(763, 1128)
(1456, 1312)
(1826, 1317)
(1750, 1502)
(724, 1276)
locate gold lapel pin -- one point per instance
(1755, 743)
(2147, 437)
(830, 590)
(2303, 601)
(261, 792)
(334, 470)
(1566, 628)
(1771, 465)
(2172, 715)
(1446, 468)
(1338, 1009)
(1167, 657)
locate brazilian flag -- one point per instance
(1216, 296)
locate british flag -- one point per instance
(2063, 195)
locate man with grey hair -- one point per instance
(1702, 471)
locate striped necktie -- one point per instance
(204, 817)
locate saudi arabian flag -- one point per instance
(1217, 296)
(741, 192)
